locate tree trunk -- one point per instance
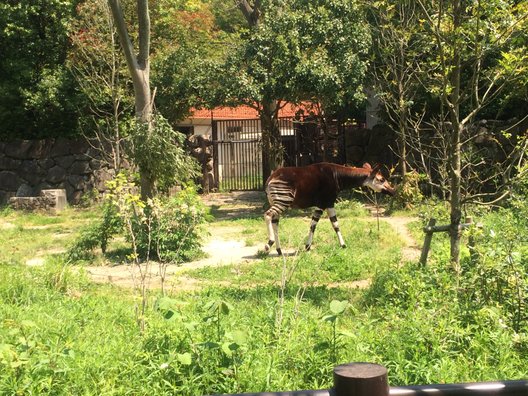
(402, 139)
(272, 152)
(454, 143)
(139, 68)
(455, 198)
(402, 110)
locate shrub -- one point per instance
(170, 230)
(160, 150)
(97, 234)
(164, 229)
(408, 192)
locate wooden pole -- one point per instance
(360, 379)
(427, 241)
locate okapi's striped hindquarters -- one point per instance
(315, 185)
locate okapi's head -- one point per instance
(376, 181)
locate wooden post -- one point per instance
(360, 379)
(427, 241)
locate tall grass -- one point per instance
(61, 334)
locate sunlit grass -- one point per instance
(62, 334)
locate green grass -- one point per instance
(25, 235)
(61, 334)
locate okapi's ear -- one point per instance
(366, 165)
(375, 170)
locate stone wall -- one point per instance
(29, 166)
(370, 145)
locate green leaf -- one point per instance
(209, 345)
(185, 358)
(229, 347)
(28, 323)
(225, 307)
(330, 318)
(347, 333)
(338, 307)
(237, 336)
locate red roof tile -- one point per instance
(243, 112)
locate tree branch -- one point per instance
(124, 38)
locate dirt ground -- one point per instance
(222, 247)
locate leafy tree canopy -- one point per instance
(300, 50)
(38, 93)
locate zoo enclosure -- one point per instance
(237, 148)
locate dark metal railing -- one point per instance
(366, 379)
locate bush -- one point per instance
(164, 229)
(408, 193)
(170, 230)
(96, 235)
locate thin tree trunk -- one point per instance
(455, 149)
(272, 157)
(139, 68)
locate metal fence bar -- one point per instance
(503, 388)
(367, 379)
(322, 392)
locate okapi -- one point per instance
(315, 185)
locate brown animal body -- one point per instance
(315, 185)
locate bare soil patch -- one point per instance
(222, 248)
(411, 250)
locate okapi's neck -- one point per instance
(348, 177)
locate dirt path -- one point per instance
(219, 252)
(223, 247)
(411, 249)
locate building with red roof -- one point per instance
(200, 122)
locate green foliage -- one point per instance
(442, 323)
(408, 192)
(60, 334)
(159, 150)
(39, 97)
(171, 230)
(298, 52)
(188, 38)
(498, 259)
(337, 308)
(166, 229)
(97, 234)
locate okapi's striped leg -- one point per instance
(333, 219)
(275, 225)
(315, 219)
(272, 223)
(280, 196)
(268, 217)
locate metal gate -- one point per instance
(237, 152)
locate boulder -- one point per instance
(60, 147)
(25, 190)
(65, 161)
(80, 168)
(7, 163)
(39, 149)
(9, 181)
(56, 175)
(18, 149)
